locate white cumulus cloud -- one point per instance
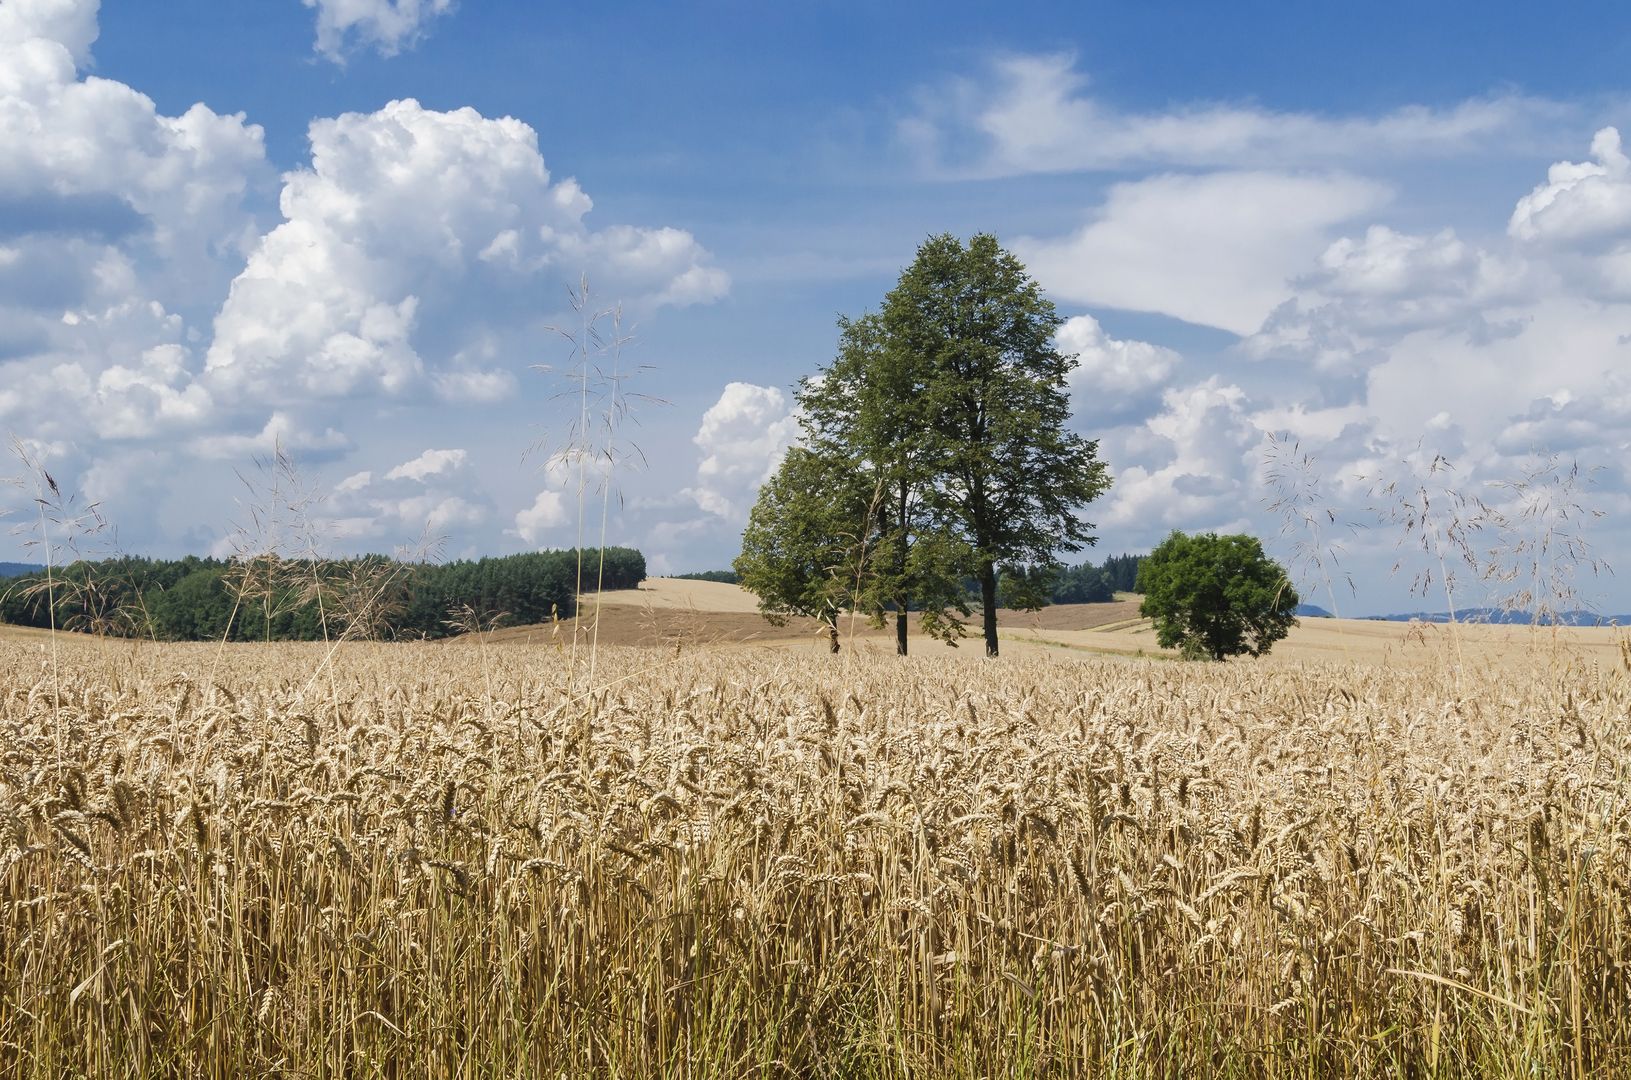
(387, 26)
(1579, 201)
(1366, 293)
(113, 218)
(282, 431)
(537, 523)
(743, 437)
(433, 494)
(1112, 375)
(431, 463)
(98, 151)
(1205, 434)
(43, 27)
(412, 224)
(1033, 113)
(1216, 249)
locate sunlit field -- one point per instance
(470, 860)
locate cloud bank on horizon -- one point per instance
(173, 302)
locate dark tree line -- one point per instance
(724, 577)
(268, 598)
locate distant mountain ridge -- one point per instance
(1501, 617)
(17, 569)
(1485, 615)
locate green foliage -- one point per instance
(1121, 572)
(949, 405)
(268, 598)
(807, 542)
(993, 396)
(199, 607)
(935, 570)
(1029, 588)
(864, 415)
(1084, 584)
(1216, 596)
(1089, 584)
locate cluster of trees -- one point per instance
(934, 450)
(270, 598)
(1089, 584)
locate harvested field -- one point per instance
(670, 613)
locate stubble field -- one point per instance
(478, 859)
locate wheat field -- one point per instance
(466, 861)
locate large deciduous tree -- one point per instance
(950, 405)
(1009, 477)
(865, 410)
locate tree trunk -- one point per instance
(988, 601)
(900, 571)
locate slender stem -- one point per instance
(51, 608)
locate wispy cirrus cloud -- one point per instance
(1035, 113)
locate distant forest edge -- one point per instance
(274, 599)
(1089, 584)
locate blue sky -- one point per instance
(1387, 233)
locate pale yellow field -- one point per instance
(1363, 641)
(712, 614)
(681, 594)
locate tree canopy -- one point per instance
(953, 399)
(804, 551)
(1216, 596)
(864, 416)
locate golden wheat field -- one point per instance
(469, 860)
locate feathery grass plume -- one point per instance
(89, 585)
(1540, 518)
(274, 529)
(1436, 518)
(1309, 519)
(465, 621)
(370, 594)
(1441, 522)
(592, 450)
(56, 533)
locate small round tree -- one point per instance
(805, 548)
(1216, 596)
